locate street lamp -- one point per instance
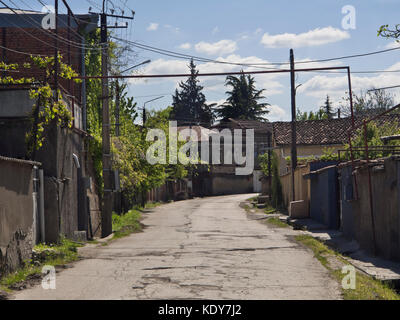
(140, 64)
(144, 108)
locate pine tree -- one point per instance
(189, 103)
(243, 100)
(328, 108)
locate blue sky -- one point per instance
(260, 31)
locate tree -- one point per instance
(328, 108)
(243, 100)
(303, 116)
(370, 102)
(385, 32)
(189, 103)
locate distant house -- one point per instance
(223, 178)
(313, 137)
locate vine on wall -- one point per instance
(49, 106)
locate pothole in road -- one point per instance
(152, 254)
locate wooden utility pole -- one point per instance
(56, 50)
(117, 103)
(106, 213)
(293, 124)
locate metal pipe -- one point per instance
(35, 199)
(371, 204)
(41, 207)
(179, 75)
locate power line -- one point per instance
(182, 55)
(185, 56)
(47, 32)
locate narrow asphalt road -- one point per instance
(196, 249)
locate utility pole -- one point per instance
(56, 50)
(106, 213)
(293, 124)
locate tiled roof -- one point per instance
(258, 126)
(320, 132)
(201, 132)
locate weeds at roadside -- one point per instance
(276, 222)
(54, 255)
(367, 288)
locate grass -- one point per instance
(277, 222)
(367, 288)
(252, 199)
(269, 209)
(66, 251)
(124, 225)
(54, 255)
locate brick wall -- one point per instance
(39, 41)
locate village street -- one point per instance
(196, 249)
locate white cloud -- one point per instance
(152, 27)
(311, 38)
(185, 46)
(270, 82)
(337, 86)
(276, 113)
(175, 29)
(221, 47)
(393, 44)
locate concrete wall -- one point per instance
(223, 184)
(302, 185)
(18, 213)
(15, 103)
(385, 182)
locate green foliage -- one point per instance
(368, 103)
(276, 185)
(243, 100)
(264, 163)
(126, 224)
(328, 108)
(374, 133)
(386, 32)
(55, 254)
(49, 107)
(189, 104)
(328, 154)
(303, 116)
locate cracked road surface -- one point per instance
(196, 249)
